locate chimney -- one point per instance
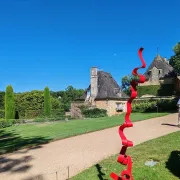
(94, 82)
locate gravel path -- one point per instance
(78, 153)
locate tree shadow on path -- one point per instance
(11, 141)
(173, 163)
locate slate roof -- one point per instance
(161, 63)
(107, 88)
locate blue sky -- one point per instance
(55, 42)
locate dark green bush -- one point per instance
(156, 90)
(51, 118)
(58, 112)
(9, 103)
(163, 105)
(10, 122)
(94, 113)
(6, 123)
(31, 114)
(47, 102)
(2, 114)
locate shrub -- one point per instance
(2, 114)
(31, 114)
(9, 103)
(47, 102)
(156, 90)
(6, 123)
(94, 113)
(151, 106)
(33, 100)
(51, 118)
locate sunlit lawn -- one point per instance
(17, 137)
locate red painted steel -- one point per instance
(123, 158)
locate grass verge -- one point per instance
(165, 150)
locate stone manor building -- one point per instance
(103, 93)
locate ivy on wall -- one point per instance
(156, 90)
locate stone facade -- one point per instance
(113, 107)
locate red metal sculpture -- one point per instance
(123, 158)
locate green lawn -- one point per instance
(165, 150)
(18, 137)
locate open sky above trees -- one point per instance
(54, 43)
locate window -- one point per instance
(119, 107)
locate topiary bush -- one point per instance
(94, 113)
(47, 102)
(164, 105)
(9, 103)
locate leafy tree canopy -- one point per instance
(175, 59)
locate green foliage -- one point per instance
(10, 122)
(47, 102)
(9, 103)
(164, 105)
(33, 101)
(152, 90)
(175, 59)
(6, 123)
(66, 97)
(51, 118)
(2, 114)
(126, 80)
(156, 90)
(94, 113)
(31, 114)
(2, 98)
(29, 101)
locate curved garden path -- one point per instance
(78, 152)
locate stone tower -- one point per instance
(94, 83)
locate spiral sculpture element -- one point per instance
(123, 158)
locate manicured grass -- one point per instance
(17, 137)
(165, 150)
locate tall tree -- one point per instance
(47, 102)
(175, 59)
(9, 103)
(126, 81)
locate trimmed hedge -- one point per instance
(10, 122)
(47, 102)
(2, 114)
(51, 118)
(9, 103)
(164, 105)
(94, 113)
(156, 90)
(32, 114)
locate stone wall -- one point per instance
(111, 106)
(169, 80)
